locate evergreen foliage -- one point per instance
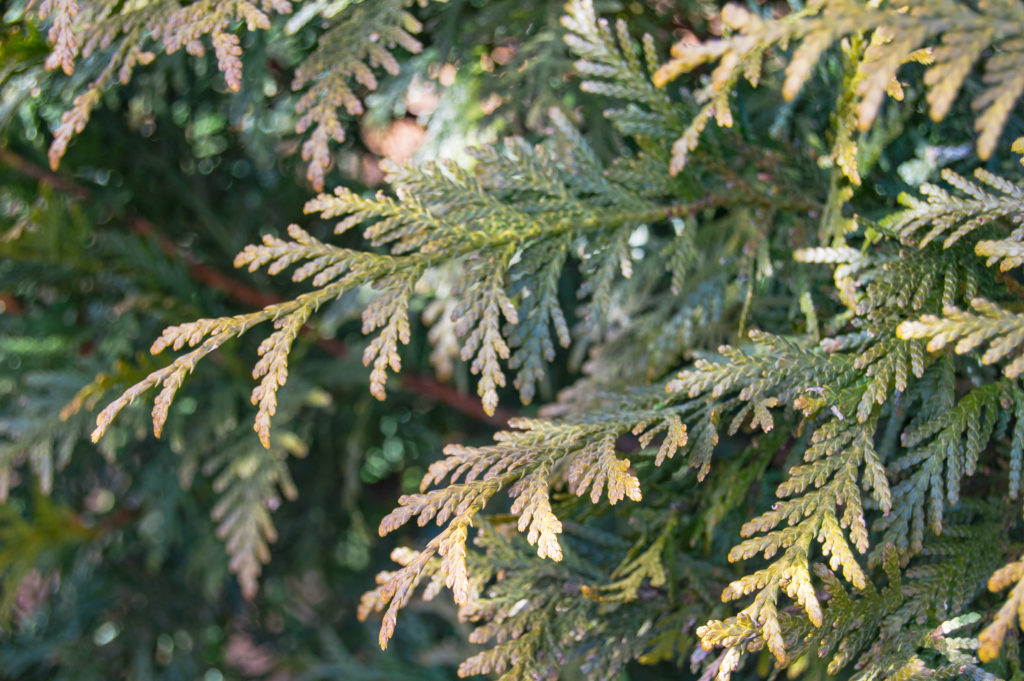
(782, 421)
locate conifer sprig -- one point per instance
(447, 215)
(528, 461)
(991, 639)
(966, 331)
(250, 486)
(363, 38)
(611, 64)
(360, 39)
(130, 34)
(951, 217)
(948, 36)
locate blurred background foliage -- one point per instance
(110, 558)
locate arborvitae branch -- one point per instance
(164, 24)
(1003, 331)
(953, 217)
(362, 38)
(1011, 574)
(248, 484)
(448, 215)
(947, 35)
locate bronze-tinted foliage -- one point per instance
(357, 41)
(868, 426)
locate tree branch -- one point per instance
(421, 384)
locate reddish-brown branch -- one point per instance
(202, 273)
(140, 225)
(41, 174)
(445, 394)
(243, 293)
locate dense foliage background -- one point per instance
(844, 471)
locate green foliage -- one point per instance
(948, 37)
(782, 418)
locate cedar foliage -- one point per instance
(792, 431)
